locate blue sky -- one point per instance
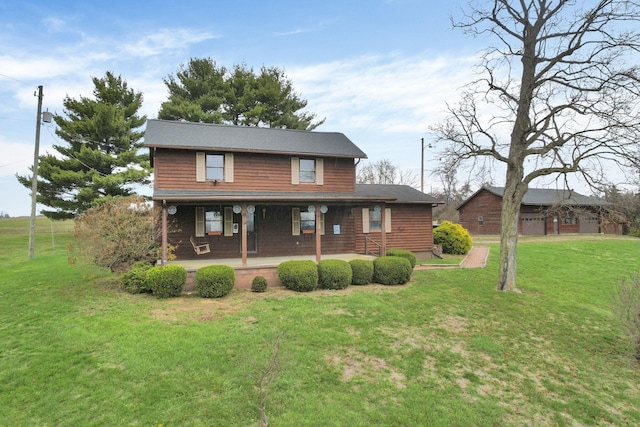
(379, 71)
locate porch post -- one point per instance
(244, 235)
(318, 231)
(383, 238)
(164, 232)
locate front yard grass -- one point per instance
(444, 350)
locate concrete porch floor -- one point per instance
(261, 261)
(263, 266)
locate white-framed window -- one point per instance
(372, 220)
(375, 220)
(307, 171)
(214, 164)
(214, 220)
(304, 222)
(214, 167)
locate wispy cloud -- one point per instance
(386, 93)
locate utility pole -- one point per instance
(34, 178)
(422, 167)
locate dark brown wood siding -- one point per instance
(411, 228)
(176, 170)
(273, 230)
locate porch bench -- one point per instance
(200, 248)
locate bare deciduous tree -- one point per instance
(385, 172)
(557, 96)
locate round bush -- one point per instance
(259, 284)
(166, 281)
(298, 275)
(215, 281)
(362, 270)
(134, 281)
(454, 238)
(391, 270)
(334, 274)
(404, 254)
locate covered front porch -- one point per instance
(251, 267)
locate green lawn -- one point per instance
(444, 350)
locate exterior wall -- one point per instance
(484, 204)
(273, 230)
(488, 205)
(176, 170)
(411, 229)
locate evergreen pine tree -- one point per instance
(101, 156)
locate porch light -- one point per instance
(251, 209)
(237, 209)
(172, 209)
(311, 208)
(324, 209)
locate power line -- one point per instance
(12, 78)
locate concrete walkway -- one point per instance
(476, 258)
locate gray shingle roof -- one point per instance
(187, 135)
(399, 193)
(549, 197)
(364, 193)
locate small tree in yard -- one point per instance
(117, 232)
(626, 307)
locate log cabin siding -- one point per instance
(176, 170)
(411, 228)
(273, 229)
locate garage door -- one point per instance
(588, 224)
(532, 224)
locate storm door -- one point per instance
(252, 233)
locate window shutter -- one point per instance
(201, 166)
(322, 224)
(295, 221)
(319, 171)
(295, 171)
(199, 221)
(228, 221)
(228, 167)
(387, 220)
(365, 220)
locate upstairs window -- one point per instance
(307, 170)
(215, 167)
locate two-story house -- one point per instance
(246, 192)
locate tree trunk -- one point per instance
(511, 200)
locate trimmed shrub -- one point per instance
(259, 284)
(134, 281)
(166, 281)
(215, 281)
(404, 254)
(362, 270)
(391, 270)
(334, 274)
(454, 238)
(298, 275)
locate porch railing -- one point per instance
(377, 245)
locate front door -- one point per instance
(252, 233)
